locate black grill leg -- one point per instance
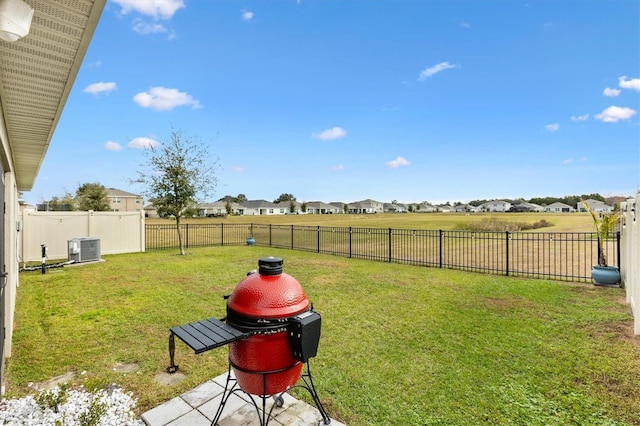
(308, 381)
(172, 368)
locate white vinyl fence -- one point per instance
(118, 232)
(630, 256)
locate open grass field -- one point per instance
(400, 345)
(561, 222)
(565, 249)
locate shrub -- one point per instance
(498, 225)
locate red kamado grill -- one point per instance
(272, 331)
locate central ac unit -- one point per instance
(84, 249)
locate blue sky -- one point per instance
(343, 100)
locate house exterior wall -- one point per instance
(496, 206)
(559, 208)
(10, 243)
(125, 204)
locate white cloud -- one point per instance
(330, 134)
(552, 127)
(398, 162)
(142, 27)
(634, 83)
(613, 114)
(101, 87)
(238, 169)
(338, 167)
(164, 99)
(112, 146)
(567, 161)
(584, 117)
(157, 9)
(465, 25)
(143, 143)
(247, 15)
(428, 72)
(612, 93)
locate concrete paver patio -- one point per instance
(198, 407)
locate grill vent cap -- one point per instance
(270, 265)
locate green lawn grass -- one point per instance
(401, 345)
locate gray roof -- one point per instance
(257, 204)
(113, 192)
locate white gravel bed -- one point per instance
(116, 409)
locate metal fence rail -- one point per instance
(565, 256)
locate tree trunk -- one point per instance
(602, 257)
(180, 243)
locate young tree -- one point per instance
(177, 175)
(66, 203)
(92, 196)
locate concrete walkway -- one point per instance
(198, 407)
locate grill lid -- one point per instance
(269, 294)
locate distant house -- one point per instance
(559, 208)
(366, 206)
(465, 208)
(122, 201)
(526, 207)
(596, 206)
(319, 207)
(425, 207)
(339, 205)
(495, 206)
(444, 208)
(218, 208)
(262, 208)
(150, 211)
(394, 208)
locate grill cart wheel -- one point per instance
(278, 400)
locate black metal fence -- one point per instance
(565, 256)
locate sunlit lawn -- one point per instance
(400, 345)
